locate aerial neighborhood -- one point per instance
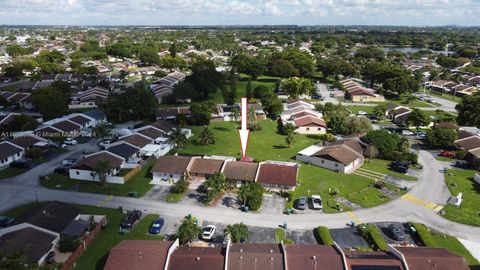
(122, 147)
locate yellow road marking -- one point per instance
(421, 202)
(105, 201)
(358, 221)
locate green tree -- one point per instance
(338, 124)
(102, 168)
(336, 66)
(17, 50)
(214, 185)
(297, 86)
(206, 137)
(201, 113)
(149, 56)
(283, 68)
(249, 65)
(371, 151)
(441, 137)
(173, 50)
(418, 118)
(386, 143)
(358, 125)
(188, 230)
(235, 114)
(50, 102)
(68, 244)
(249, 91)
(13, 71)
(302, 61)
(101, 131)
(177, 138)
(379, 111)
(289, 140)
(251, 194)
(469, 111)
(238, 232)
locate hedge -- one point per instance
(424, 234)
(323, 236)
(373, 235)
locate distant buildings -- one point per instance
(303, 116)
(358, 93)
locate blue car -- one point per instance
(156, 226)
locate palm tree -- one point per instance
(177, 138)
(101, 131)
(206, 137)
(188, 231)
(101, 169)
(238, 232)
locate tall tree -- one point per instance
(249, 92)
(238, 232)
(188, 230)
(206, 137)
(101, 170)
(297, 86)
(469, 111)
(418, 118)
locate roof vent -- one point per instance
(255, 259)
(271, 258)
(241, 249)
(271, 250)
(198, 258)
(314, 257)
(241, 257)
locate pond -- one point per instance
(413, 50)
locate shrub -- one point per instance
(68, 244)
(374, 237)
(323, 236)
(180, 187)
(424, 233)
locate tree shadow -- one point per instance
(279, 146)
(101, 263)
(314, 137)
(223, 129)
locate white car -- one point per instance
(407, 133)
(70, 141)
(105, 144)
(361, 113)
(208, 232)
(317, 202)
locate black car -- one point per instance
(22, 163)
(130, 219)
(397, 232)
(400, 163)
(62, 170)
(5, 221)
(50, 258)
(399, 169)
(462, 164)
(139, 125)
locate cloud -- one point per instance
(311, 12)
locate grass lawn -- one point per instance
(446, 96)
(315, 180)
(439, 115)
(139, 183)
(281, 236)
(264, 144)
(440, 158)
(381, 166)
(469, 212)
(11, 172)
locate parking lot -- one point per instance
(348, 238)
(388, 236)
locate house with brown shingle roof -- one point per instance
(240, 172)
(420, 258)
(372, 260)
(471, 145)
(170, 168)
(197, 258)
(339, 157)
(357, 93)
(277, 175)
(313, 257)
(86, 168)
(137, 140)
(205, 167)
(255, 256)
(310, 125)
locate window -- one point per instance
(308, 129)
(319, 129)
(77, 172)
(323, 161)
(336, 164)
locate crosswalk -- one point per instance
(415, 200)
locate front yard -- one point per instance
(469, 211)
(381, 166)
(140, 183)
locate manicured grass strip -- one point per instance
(469, 211)
(381, 166)
(451, 243)
(371, 233)
(11, 172)
(281, 236)
(440, 158)
(140, 183)
(323, 236)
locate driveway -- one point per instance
(348, 238)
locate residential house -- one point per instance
(153, 133)
(18, 98)
(86, 168)
(276, 175)
(313, 257)
(164, 86)
(137, 140)
(399, 115)
(205, 167)
(27, 141)
(256, 256)
(373, 260)
(310, 125)
(198, 258)
(471, 144)
(140, 254)
(431, 258)
(89, 98)
(240, 172)
(9, 153)
(129, 152)
(171, 113)
(358, 93)
(5, 119)
(170, 169)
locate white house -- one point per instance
(9, 152)
(86, 168)
(340, 158)
(310, 125)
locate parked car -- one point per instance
(62, 170)
(130, 219)
(50, 257)
(407, 133)
(208, 232)
(462, 164)
(400, 166)
(104, 144)
(362, 113)
(399, 169)
(5, 221)
(302, 203)
(23, 163)
(156, 226)
(70, 141)
(396, 231)
(139, 125)
(69, 162)
(447, 153)
(317, 202)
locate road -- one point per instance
(445, 105)
(2, 85)
(430, 187)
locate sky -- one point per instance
(241, 12)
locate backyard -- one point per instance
(242, 87)
(469, 211)
(381, 166)
(140, 183)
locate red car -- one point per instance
(446, 153)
